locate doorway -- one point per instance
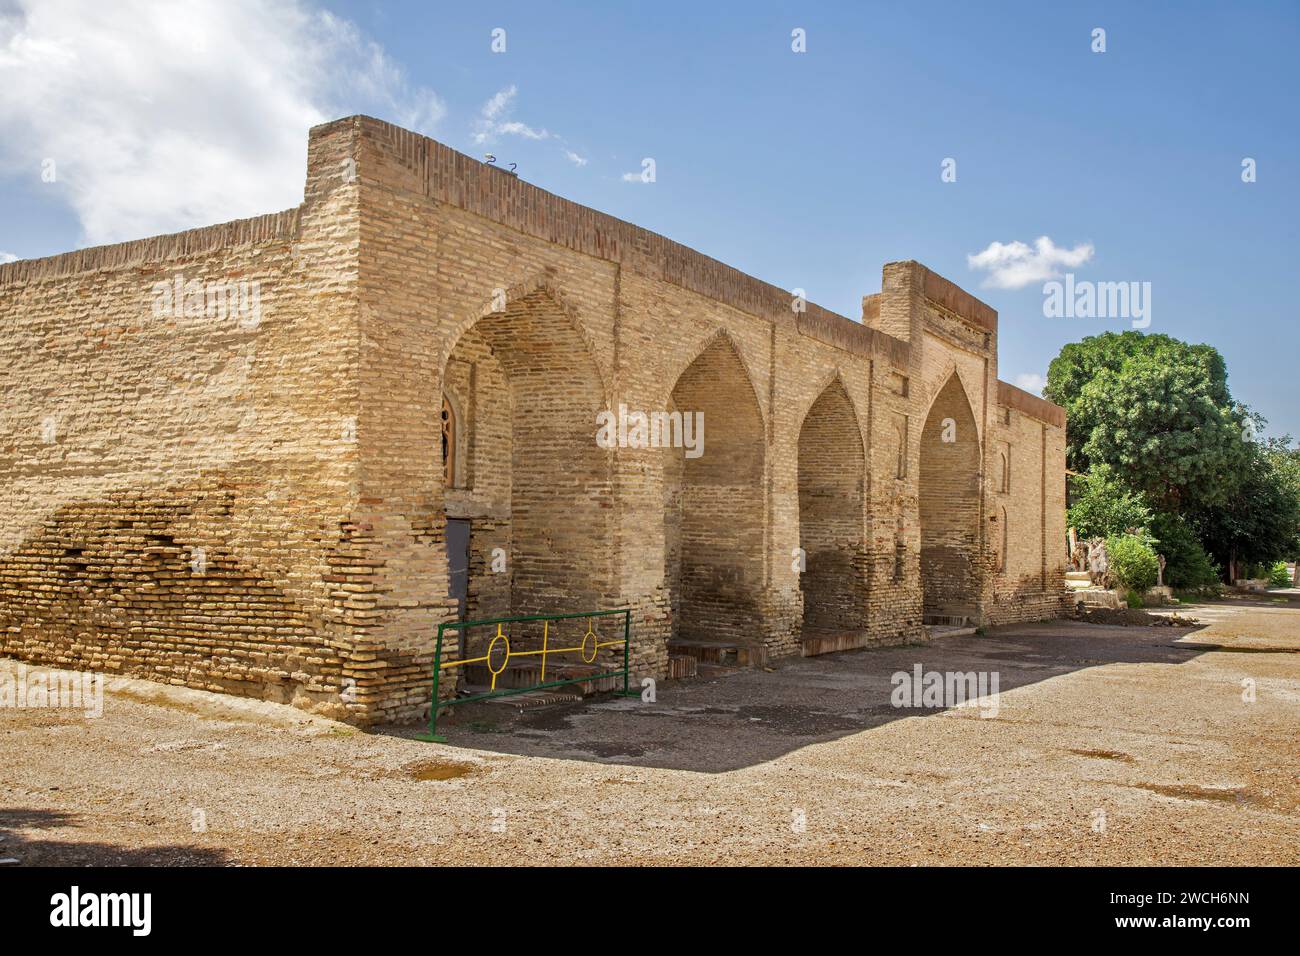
(458, 563)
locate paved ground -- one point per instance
(1109, 745)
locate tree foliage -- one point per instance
(1080, 363)
(1102, 506)
(1188, 566)
(1261, 522)
(1159, 420)
(1152, 423)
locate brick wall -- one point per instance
(950, 505)
(832, 475)
(178, 473)
(1026, 517)
(716, 551)
(483, 412)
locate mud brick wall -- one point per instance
(302, 453)
(113, 585)
(479, 393)
(719, 550)
(950, 513)
(832, 475)
(177, 479)
(1026, 517)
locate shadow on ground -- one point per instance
(44, 851)
(714, 725)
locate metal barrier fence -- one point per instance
(499, 650)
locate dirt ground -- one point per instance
(1103, 745)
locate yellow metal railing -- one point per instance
(589, 639)
(588, 650)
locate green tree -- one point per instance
(1079, 363)
(1188, 564)
(1161, 421)
(1152, 423)
(1261, 522)
(1101, 506)
(1286, 460)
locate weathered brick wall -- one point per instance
(177, 483)
(481, 492)
(950, 505)
(832, 473)
(1026, 523)
(312, 475)
(718, 547)
(959, 336)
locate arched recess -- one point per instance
(535, 484)
(714, 502)
(949, 505)
(832, 474)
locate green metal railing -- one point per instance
(590, 642)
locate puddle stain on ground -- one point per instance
(1190, 792)
(438, 770)
(1105, 755)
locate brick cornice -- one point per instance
(1011, 397)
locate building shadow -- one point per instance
(16, 842)
(747, 717)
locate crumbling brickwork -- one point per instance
(258, 503)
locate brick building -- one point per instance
(238, 457)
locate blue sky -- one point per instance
(808, 170)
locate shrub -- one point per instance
(1132, 562)
(1188, 565)
(1278, 576)
(1134, 600)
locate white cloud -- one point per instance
(1014, 265)
(1030, 382)
(500, 102)
(162, 117)
(7, 257)
(515, 128)
(494, 121)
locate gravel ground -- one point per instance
(1109, 745)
